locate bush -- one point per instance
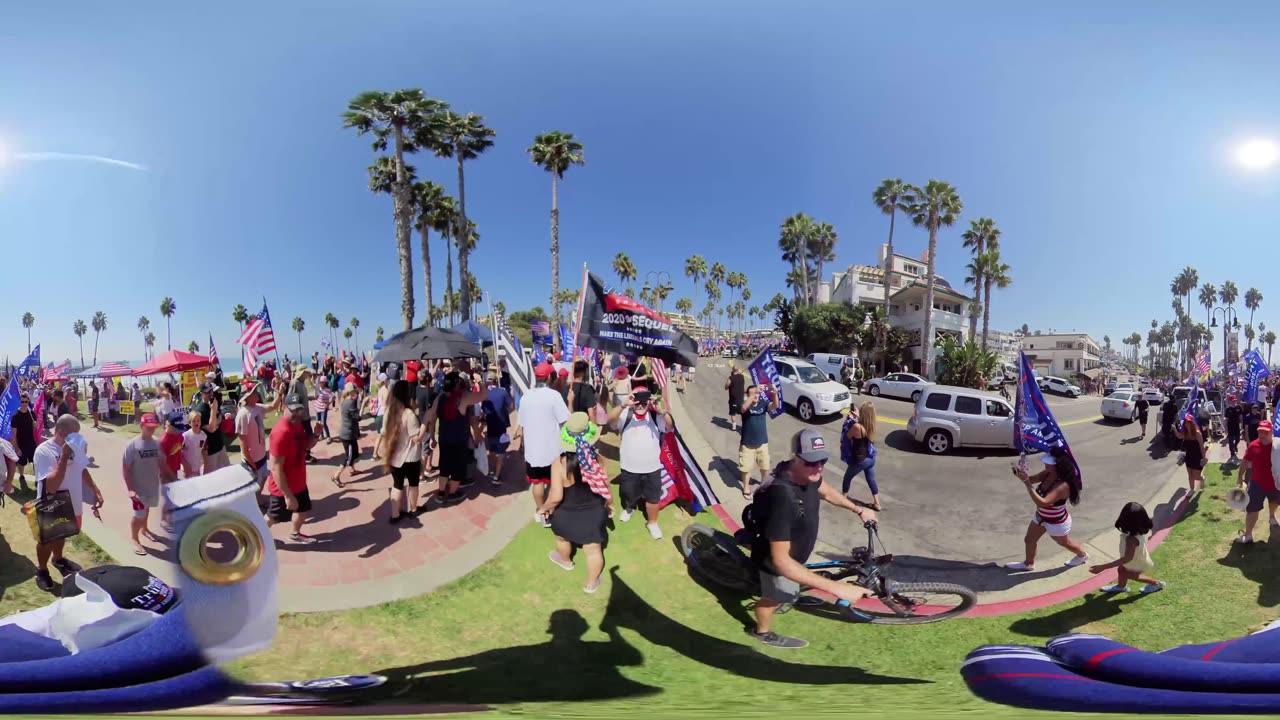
(832, 327)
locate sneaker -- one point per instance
(468, 482)
(1153, 588)
(773, 639)
(301, 539)
(625, 516)
(495, 479)
(66, 567)
(655, 532)
(555, 558)
(44, 581)
(1019, 566)
(1115, 589)
(455, 498)
(591, 588)
(1077, 561)
(1244, 540)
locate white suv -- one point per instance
(809, 390)
(949, 417)
(1062, 387)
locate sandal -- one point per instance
(337, 482)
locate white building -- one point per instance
(688, 325)
(864, 284)
(1063, 355)
(1004, 344)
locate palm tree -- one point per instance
(555, 152)
(240, 314)
(1253, 301)
(167, 308)
(1106, 341)
(1190, 280)
(892, 195)
(821, 250)
(624, 268)
(443, 219)
(399, 116)
(684, 305)
(332, 321)
(1229, 293)
(150, 342)
(1208, 296)
(143, 325)
(981, 235)
(99, 323)
(1270, 340)
(993, 272)
(793, 241)
(346, 333)
(193, 347)
(27, 321)
(428, 198)
(298, 326)
(79, 328)
(695, 268)
(383, 174)
(1248, 335)
(355, 328)
(463, 137)
(937, 205)
(378, 332)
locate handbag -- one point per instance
(52, 517)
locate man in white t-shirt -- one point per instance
(542, 412)
(640, 456)
(251, 423)
(56, 466)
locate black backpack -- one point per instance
(756, 514)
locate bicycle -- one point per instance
(719, 557)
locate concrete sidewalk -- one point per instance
(999, 591)
(360, 558)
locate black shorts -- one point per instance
(640, 486)
(410, 472)
(278, 511)
(538, 475)
(455, 461)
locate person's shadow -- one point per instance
(566, 667)
(1096, 607)
(15, 569)
(1259, 563)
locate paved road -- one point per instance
(961, 510)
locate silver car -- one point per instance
(949, 417)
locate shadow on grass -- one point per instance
(1260, 563)
(1095, 607)
(15, 569)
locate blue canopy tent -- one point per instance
(475, 332)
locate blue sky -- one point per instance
(1098, 135)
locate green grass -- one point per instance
(653, 641)
(18, 591)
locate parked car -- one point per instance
(728, 353)
(1111, 387)
(1126, 387)
(833, 364)
(808, 390)
(949, 417)
(899, 385)
(1060, 386)
(1120, 405)
(1153, 396)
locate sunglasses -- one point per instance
(817, 464)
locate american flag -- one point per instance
(1203, 363)
(213, 352)
(113, 369)
(541, 332)
(659, 369)
(258, 339)
(518, 364)
(592, 471)
(56, 373)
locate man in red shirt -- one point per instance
(1256, 467)
(287, 483)
(411, 370)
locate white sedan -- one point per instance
(1153, 396)
(1120, 406)
(900, 385)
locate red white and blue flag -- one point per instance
(213, 352)
(682, 477)
(1203, 363)
(1036, 430)
(258, 339)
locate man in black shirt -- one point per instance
(210, 409)
(786, 520)
(1233, 415)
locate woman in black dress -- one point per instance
(578, 502)
(1193, 445)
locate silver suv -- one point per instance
(949, 417)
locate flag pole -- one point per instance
(273, 331)
(493, 320)
(577, 324)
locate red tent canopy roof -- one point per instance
(173, 361)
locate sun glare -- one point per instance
(1258, 154)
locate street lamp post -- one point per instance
(1229, 322)
(656, 276)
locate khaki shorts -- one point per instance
(752, 459)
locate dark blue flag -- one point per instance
(566, 343)
(1256, 371)
(763, 371)
(1191, 404)
(30, 368)
(9, 402)
(1036, 429)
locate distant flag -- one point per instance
(1203, 363)
(518, 365)
(1191, 404)
(213, 352)
(541, 331)
(566, 343)
(29, 368)
(1036, 429)
(258, 338)
(1255, 372)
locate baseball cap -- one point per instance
(294, 402)
(1264, 425)
(149, 420)
(208, 387)
(130, 588)
(564, 372)
(543, 371)
(643, 395)
(810, 446)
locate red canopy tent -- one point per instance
(173, 361)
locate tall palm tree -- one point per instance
(1208, 296)
(355, 329)
(981, 235)
(167, 308)
(150, 342)
(383, 179)
(1253, 301)
(298, 326)
(1229, 293)
(684, 305)
(891, 196)
(240, 314)
(1190, 280)
(463, 137)
(378, 333)
(443, 219)
(143, 325)
(79, 328)
(1249, 334)
(937, 205)
(695, 268)
(821, 250)
(427, 198)
(793, 241)
(99, 323)
(396, 116)
(1269, 339)
(346, 333)
(987, 266)
(27, 321)
(193, 347)
(332, 321)
(624, 268)
(1106, 341)
(555, 152)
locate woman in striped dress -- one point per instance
(1051, 489)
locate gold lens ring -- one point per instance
(193, 550)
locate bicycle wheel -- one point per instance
(917, 604)
(716, 556)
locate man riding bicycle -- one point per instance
(785, 514)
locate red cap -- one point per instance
(1264, 425)
(150, 420)
(544, 371)
(564, 372)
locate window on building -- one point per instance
(1068, 364)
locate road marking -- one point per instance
(1077, 422)
(892, 421)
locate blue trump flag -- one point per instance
(1036, 429)
(9, 402)
(566, 343)
(30, 367)
(1256, 371)
(1191, 404)
(763, 371)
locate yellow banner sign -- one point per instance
(126, 407)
